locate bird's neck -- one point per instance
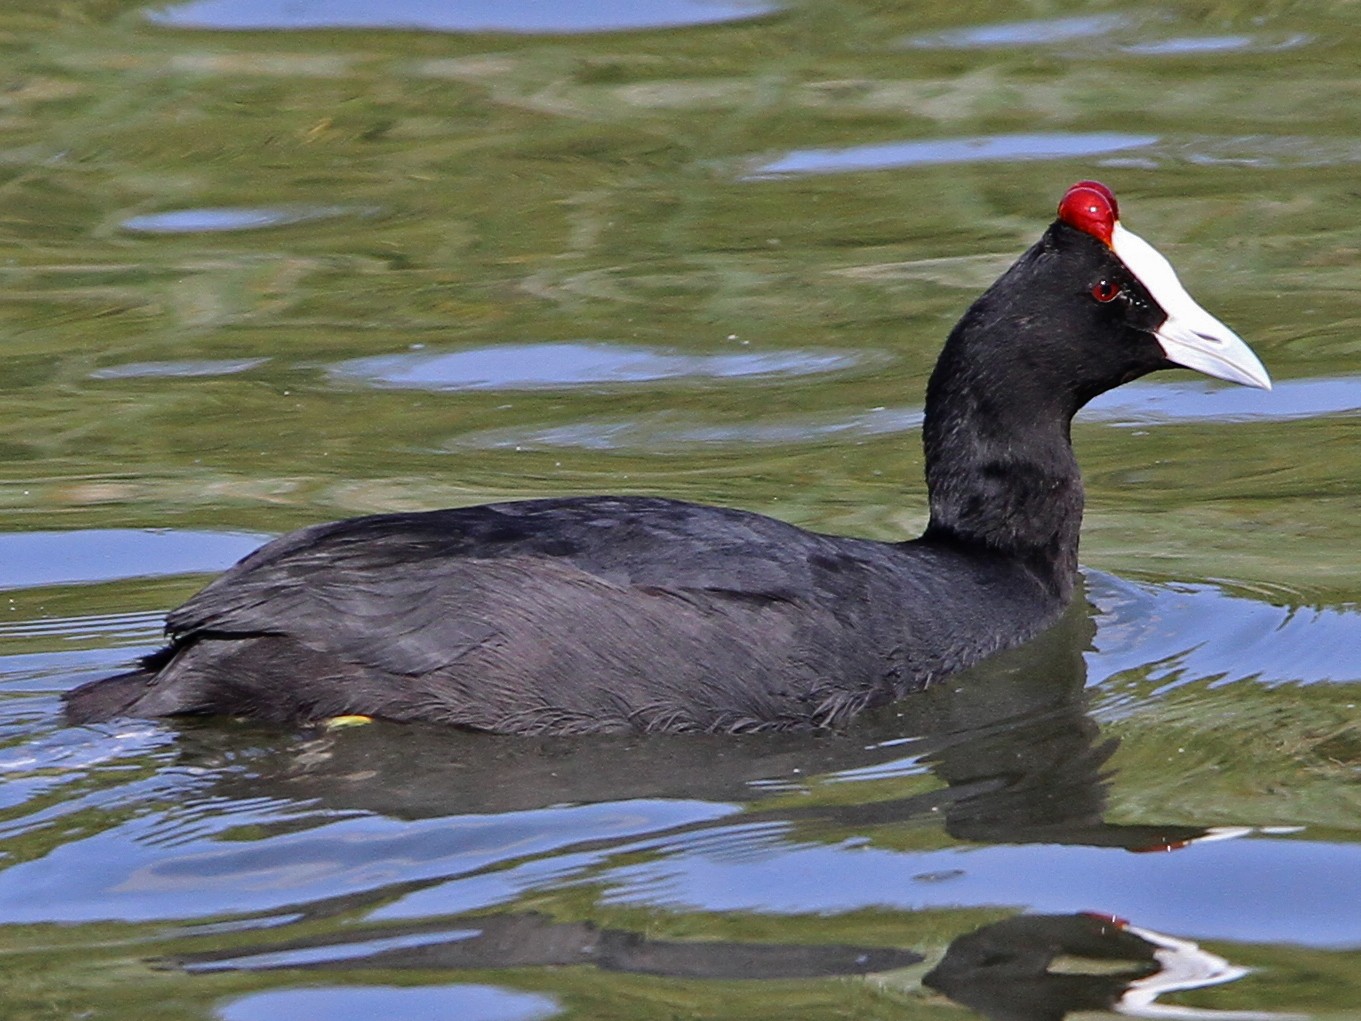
(1002, 476)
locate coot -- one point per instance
(610, 613)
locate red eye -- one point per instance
(1105, 290)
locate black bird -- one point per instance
(609, 613)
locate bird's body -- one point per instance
(588, 614)
(612, 613)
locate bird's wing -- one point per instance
(413, 592)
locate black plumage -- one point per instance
(610, 613)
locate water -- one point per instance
(366, 257)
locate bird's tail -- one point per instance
(108, 697)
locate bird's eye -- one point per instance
(1105, 290)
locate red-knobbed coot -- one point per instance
(610, 613)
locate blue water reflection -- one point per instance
(1103, 34)
(213, 220)
(351, 1002)
(1181, 634)
(1107, 149)
(181, 864)
(939, 151)
(567, 364)
(55, 558)
(1036, 32)
(1196, 892)
(467, 16)
(1152, 403)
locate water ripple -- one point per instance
(1160, 403)
(1202, 45)
(1264, 151)
(1107, 148)
(210, 220)
(970, 149)
(809, 879)
(549, 366)
(1184, 634)
(519, 16)
(79, 557)
(663, 432)
(146, 867)
(1035, 32)
(179, 370)
(1102, 33)
(465, 1000)
(1140, 404)
(102, 627)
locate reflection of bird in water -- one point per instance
(534, 940)
(1029, 968)
(1026, 968)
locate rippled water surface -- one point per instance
(270, 263)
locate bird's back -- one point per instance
(585, 614)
